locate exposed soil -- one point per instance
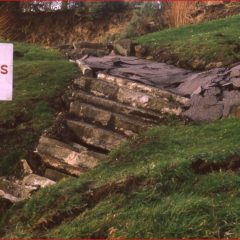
(89, 199)
(13, 132)
(201, 166)
(63, 27)
(199, 13)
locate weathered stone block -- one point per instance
(141, 100)
(55, 175)
(124, 47)
(117, 107)
(66, 154)
(95, 136)
(61, 166)
(128, 126)
(90, 113)
(34, 180)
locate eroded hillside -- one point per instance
(60, 27)
(176, 180)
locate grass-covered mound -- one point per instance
(173, 181)
(198, 46)
(40, 76)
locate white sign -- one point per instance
(6, 71)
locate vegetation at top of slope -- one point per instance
(40, 76)
(172, 181)
(199, 46)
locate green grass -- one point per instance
(170, 201)
(40, 76)
(210, 42)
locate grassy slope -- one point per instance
(167, 198)
(171, 200)
(211, 42)
(39, 77)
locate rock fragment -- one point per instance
(124, 47)
(37, 181)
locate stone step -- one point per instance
(132, 94)
(33, 180)
(15, 190)
(129, 126)
(98, 87)
(115, 107)
(54, 174)
(95, 136)
(76, 156)
(143, 88)
(62, 167)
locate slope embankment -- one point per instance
(175, 180)
(62, 27)
(199, 47)
(170, 181)
(40, 77)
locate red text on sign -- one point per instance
(4, 69)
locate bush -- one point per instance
(144, 20)
(98, 9)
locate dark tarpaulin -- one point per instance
(143, 71)
(212, 94)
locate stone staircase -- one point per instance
(102, 112)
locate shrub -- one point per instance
(144, 20)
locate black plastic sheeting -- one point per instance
(143, 71)
(213, 94)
